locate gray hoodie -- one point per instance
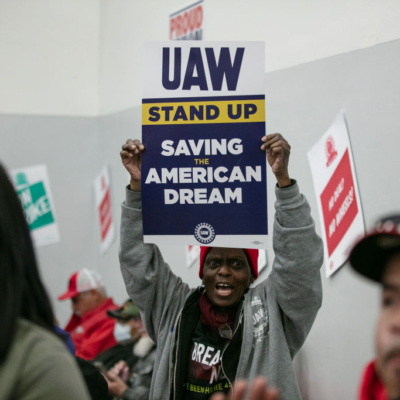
(278, 312)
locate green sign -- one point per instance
(35, 202)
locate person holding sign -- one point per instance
(224, 330)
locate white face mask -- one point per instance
(122, 332)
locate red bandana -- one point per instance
(217, 320)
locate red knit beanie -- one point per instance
(252, 257)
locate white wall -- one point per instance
(49, 56)
(294, 31)
(84, 57)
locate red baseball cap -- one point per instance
(370, 254)
(252, 257)
(82, 281)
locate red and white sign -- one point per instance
(192, 254)
(337, 193)
(102, 190)
(187, 23)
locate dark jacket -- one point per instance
(186, 324)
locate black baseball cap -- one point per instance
(370, 255)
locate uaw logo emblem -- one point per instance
(204, 233)
(330, 151)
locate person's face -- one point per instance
(84, 302)
(226, 276)
(137, 328)
(387, 338)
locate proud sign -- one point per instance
(187, 23)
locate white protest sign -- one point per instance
(203, 117)
(33, 187)
(338, 199)
(102, 192)
(192, 254)
(262, 260)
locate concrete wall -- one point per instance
(49, 57)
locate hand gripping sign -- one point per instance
(203, 117)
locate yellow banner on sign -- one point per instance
(203, 112)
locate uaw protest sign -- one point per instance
(203, 117)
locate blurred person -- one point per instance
(377, 257)
(94, 379)
(65, 336)
(132, 382)
(225, 330)
(34, 362)
(91, 330)
(124, 334)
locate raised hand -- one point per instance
(131, 157)
(278, 152)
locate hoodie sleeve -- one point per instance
(295, 279)
(151, 284)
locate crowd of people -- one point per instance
(225, 339)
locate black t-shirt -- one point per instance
(204, 375)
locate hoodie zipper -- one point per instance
(228, 343)
(177, 341)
